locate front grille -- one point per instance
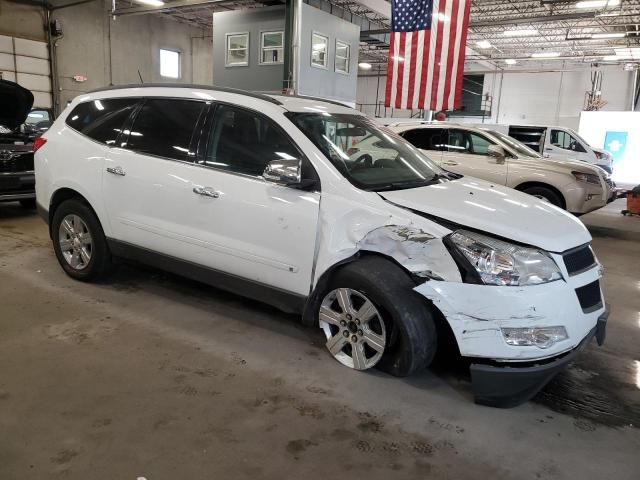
(579, 259)
(589, 297)
(17, 163)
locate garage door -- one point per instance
(27, 63)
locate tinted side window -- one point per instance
(566, 141)
(243, 141)
(164, 127)
(427, 138)
(461, 141)
(102, 120)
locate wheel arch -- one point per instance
(446, 337)
(523, 186)
(65, 193)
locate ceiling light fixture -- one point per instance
(153, 3)
(608, 35)
(545, 55)
(510, 61)
(364, 66)
(598, 3)
(483, 44)
(523, 32)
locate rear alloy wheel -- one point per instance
(76, 244)
(355, 332)
(79, 241)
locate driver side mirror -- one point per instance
(284, 172)
(497, 153)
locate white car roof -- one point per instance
(400, 127)
(206, 92)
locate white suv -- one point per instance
(495, 157)
(257, 195)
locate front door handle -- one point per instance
(451, 163)
(206, 191)
(116, 171)
(549, 149)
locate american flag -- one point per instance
(426, 53)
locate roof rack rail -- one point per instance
(319, 99)
(266, 98)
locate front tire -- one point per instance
(371, 316)
(79, 242)
(545, 194)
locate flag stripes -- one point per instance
(426, 54)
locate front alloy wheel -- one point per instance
(355, 331)
(76, 244)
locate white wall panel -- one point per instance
(31, 48)
(42, 99)
(31, 59)
(38, 66)
(11, 76)
(6, 45)
(40, 83)
(6, 62)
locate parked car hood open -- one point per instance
(16, 104)
(496, 210)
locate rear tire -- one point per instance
(79, 242)
(408, 328)
(547, 194)
(28, 203)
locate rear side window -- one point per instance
(427, 138)
(102, 120)
(164, 127)
(242, 141)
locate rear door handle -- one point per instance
(451, 163)
(206, 191)
(116, 171)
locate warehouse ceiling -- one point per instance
(502, 33)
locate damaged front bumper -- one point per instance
(504, 374)
(506, 385)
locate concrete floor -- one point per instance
(154, 376)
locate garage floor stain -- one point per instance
(152, 376)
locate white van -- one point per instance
(559, 142)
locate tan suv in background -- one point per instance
(495, 157)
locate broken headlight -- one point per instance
(501, 263)
(542, 337)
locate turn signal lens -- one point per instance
(38, 143)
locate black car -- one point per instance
(19, 127)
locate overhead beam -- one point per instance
(506, 21)
(141, 10)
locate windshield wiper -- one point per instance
(406, 185)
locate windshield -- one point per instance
(521, 149)
(368, 155)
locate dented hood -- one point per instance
(496, 210)
(16, 103)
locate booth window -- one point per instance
(169, 63)
(319, 50)
(343, 56)
(237, 50)
(272, 47)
